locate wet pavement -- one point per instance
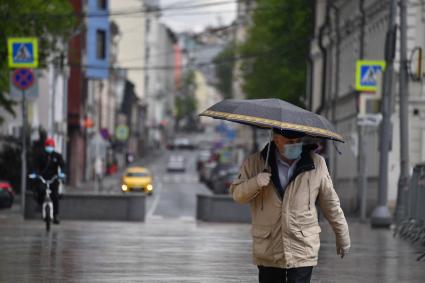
(172, 247)
(176, 250)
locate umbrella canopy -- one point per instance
(273, 113)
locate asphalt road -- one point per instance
(175, 192)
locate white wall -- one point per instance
(131, 51)
(375, 31)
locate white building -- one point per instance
(159, 76)
(130, 51)
(346, 31)
(46, 106)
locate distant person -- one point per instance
(47, 164)
(98, 170)
(282, 197)
(129, 158)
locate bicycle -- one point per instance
(47, 206)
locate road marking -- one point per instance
(180, 179)
(155, 201)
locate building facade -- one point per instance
(344, 32)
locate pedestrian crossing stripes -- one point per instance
(191, 179)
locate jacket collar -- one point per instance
(306, 163)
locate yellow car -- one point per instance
(137, 179)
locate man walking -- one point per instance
(282, 196)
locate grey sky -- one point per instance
(191, 19)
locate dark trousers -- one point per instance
(41, 192)
(282, 275)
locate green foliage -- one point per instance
(50, 21)
(276, 50)
(185, 104)
(224, 63)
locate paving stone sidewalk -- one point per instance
(170, 250)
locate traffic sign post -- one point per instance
(367, 73)
(23, 79)
(369, 84)
(31, 93)
(22, 52)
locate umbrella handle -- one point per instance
(268, 151)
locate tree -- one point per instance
(275, 52)
(186, 102)
(224, 63)
(50, 21)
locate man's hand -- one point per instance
(263, 179)
(342, 251)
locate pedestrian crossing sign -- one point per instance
(367, 75)
(22, 52)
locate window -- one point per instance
(100, 44)
(147, 82)
(148, 25)
(101, 4)
(147, 53)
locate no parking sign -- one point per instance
(23, 78)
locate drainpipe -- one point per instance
(334, 96)
(310, 62)
(362, 27)
(362, 150)
(324, 52)
(310, 72)
(337, 60)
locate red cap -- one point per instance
(49, 142)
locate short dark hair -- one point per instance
(290, 134)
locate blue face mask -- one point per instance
(49, 149)
(293, 151)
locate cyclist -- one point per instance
(48, 164)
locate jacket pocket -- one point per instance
(311, 241)
(261, 241)
(311, 231)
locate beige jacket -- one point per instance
(286, 231)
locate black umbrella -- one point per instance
(273, 113)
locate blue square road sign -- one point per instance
(23, 52)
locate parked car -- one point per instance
(137, 179)
(223, 179)
(206, 171)
(203, 156)
(176, 163)
(6, 194)
(182, 143)
(218, 172)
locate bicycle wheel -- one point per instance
(47, 218)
